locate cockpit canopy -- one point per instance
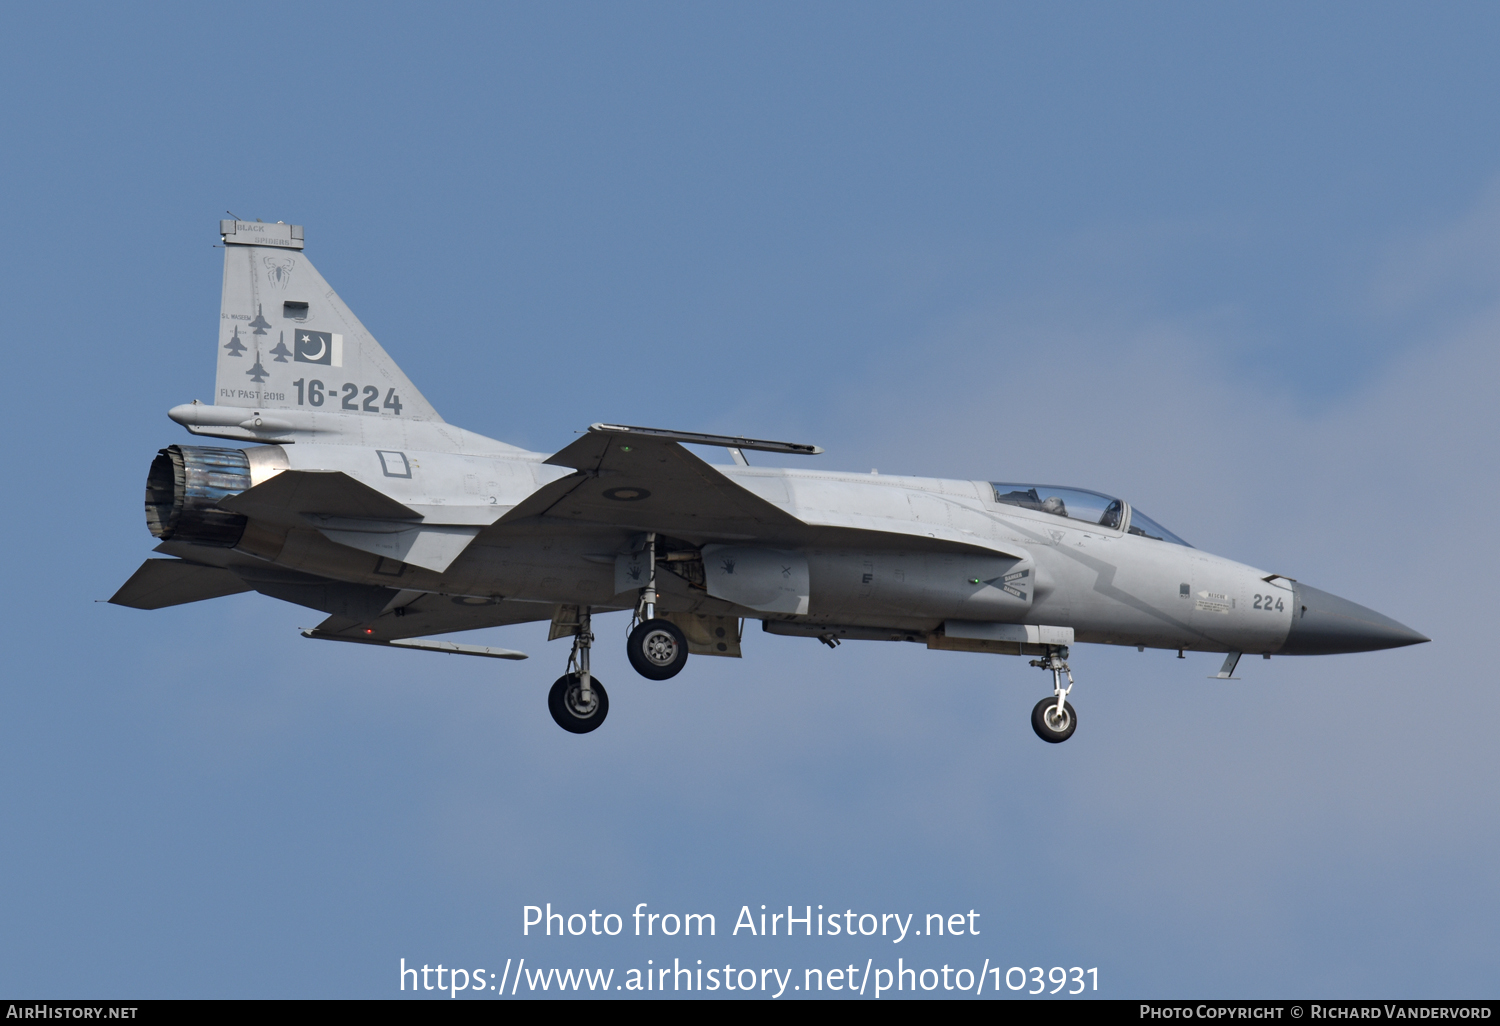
(1080, 504)
(1147, 528)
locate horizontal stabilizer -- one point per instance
(339, 598)
(424, 645)
(432, 547)
(171, 582)
(329, 492)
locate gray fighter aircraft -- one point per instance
(356, 499)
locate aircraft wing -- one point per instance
(642, 478)
(629, 477)
(435, 614)
(171, 582)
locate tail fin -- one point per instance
(287, 342)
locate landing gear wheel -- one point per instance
(565, 702)
(657, 649)
(1048, 725)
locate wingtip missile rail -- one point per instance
(695, 438)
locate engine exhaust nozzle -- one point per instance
(185, 485)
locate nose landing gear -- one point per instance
(1053, 718)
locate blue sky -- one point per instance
(1236, 263)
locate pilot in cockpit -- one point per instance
(1054, 505)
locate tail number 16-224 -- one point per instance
(311, 393)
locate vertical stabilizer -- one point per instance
(287, 342)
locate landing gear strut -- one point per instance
(578, 701)
(1053, 718)
(657, 648)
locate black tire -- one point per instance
(562, 702)
(657, 649)
(1042, 723)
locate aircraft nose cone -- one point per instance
(1324, 624)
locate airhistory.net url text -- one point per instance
(851, 980)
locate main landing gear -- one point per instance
(1053, 718)
(657, 648)
(578, 702)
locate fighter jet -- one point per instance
(356, 499)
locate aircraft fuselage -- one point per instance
(887, 553)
